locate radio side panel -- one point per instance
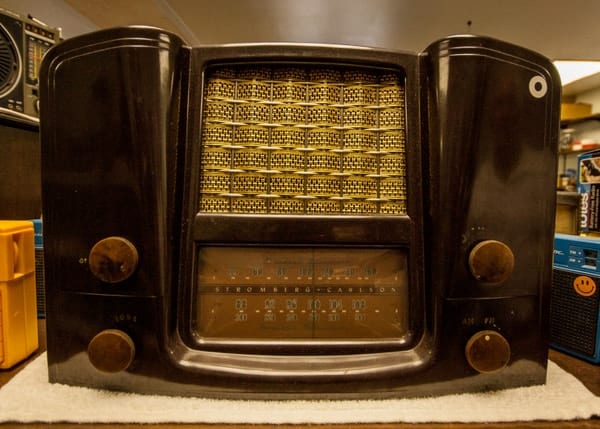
(493, 123)
(109, 149)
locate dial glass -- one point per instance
(251, 293)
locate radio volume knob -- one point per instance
(111, 351)
(113, 259)
(487, 351)
(491, 262)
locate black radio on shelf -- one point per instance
(294, 220)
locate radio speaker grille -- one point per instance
(9, 64)
(573, 318)
(291, 139)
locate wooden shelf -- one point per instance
(578, 151)
(565, 123)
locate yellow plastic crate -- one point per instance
(18, 312)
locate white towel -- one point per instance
(28, 397)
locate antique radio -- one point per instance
(575, 302)
(23, 43)
(297, 220)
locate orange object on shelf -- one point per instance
(571, 111)
(18, 307)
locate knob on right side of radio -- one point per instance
(487, 351)
(491, 262)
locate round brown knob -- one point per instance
(491, 262)
(487, 351)
(113, 259)
(111, 350)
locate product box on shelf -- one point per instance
(588, 185)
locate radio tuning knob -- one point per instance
(113, 259)
(111, 351)
(487, 351)
(491, 262)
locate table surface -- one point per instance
(588, 373)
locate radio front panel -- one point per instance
(289, 220)
(297, 146)
(305, 160)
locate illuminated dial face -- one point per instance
(301, 294)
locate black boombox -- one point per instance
(23, 44)
(297, 220)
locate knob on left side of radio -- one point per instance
(111, 350)
(113, 259)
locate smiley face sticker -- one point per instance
(584, 286)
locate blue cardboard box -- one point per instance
(588, 185)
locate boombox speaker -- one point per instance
(23, 43)
(575, 305)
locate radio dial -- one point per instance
(113, 259)
(491, 262)
(111, 351)
(487, 351)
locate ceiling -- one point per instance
(557, 29)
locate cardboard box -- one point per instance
(569, 111)
(567, 212)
